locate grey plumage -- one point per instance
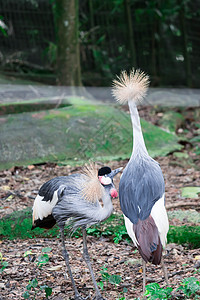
(143, 183)
(76, 198)
(73, 205)
(141, 188)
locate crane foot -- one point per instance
(99, 298)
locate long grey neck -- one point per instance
(138, 140)
(107, 208)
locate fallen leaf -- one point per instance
(140, 270)
(55, 268)
(197, 257)
(5, 187)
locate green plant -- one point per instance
(42, 260)
(33, 288)
(184, 235)
(120, 234)
(105, 277)
(190, 286)
(3, 264)
(154, 292)
(115, 279)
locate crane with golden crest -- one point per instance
(76, 198)
(142, 187)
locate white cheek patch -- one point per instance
(105, 180)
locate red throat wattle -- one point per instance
(113, 193)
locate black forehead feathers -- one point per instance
(103, 171)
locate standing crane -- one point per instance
(77, 199)
(141, 188)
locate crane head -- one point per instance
(106, 175)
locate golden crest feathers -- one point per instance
(132, 87)
(92, 190)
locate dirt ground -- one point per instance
(20, 185)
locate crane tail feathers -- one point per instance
(149, 243)
(46, 223)
(130, 87)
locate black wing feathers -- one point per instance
(47, 189)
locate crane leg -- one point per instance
(164, 271)
(66, 257)
(144, 275)
(86, 257)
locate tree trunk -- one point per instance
(131, 42)
(68, 52)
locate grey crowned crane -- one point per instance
(141, 188)
(76, 198)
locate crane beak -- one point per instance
(114, 172)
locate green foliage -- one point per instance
(33, 288)
(196, 140)
(27, 253)
(42, 260)
(190, 286)
(115, 279)
(171, 120)
(3, 264)
(106, 277)
(184, 235)
(114, 227)
(153, 292)
(18, 225)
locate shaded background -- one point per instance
(161, 37)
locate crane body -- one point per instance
(142, 187)
(81, 199)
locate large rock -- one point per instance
(75, 130)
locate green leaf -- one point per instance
(43, 259)
(4, 264)
(190, 192)
(153, 291)
(115, 279)
(29, 286)
(26, 295)
(34, 283)
(101, 284)
(104, 274)
(47, 289)
(28, 252)
(152, 288)
(190, 286)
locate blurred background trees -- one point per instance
(44, 40)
